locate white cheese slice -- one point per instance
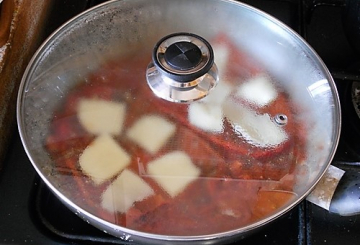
(127, 189)
(219, 94)
(258, 90)
(151, 132)
(257, 129)
(221, 57)
(206, 116)
(101, 116)
(103, 159)
(173, 172)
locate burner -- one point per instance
(355, 95)
(349, 93)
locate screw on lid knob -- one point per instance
(183, 55)
(182, 68)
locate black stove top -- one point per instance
(31, 214)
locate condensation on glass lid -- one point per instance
(160, 167)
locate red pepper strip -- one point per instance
(189, 213)
(270, 201)
(234, 199)
(73, 179)
(65, 143)
(208, 159)
(141, 209)
(80, 188)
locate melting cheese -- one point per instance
(151, 132)
(127, 189)
(259, 91)
(101, 116)
(221, 57)
(173, 172)
(207, 114)
(103, 159)
(258, 129)
(208, 117)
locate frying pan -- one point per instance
(119, 35)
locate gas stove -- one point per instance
(31, 214)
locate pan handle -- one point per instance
(346, 199)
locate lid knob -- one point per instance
(182, 68)
(183, 55)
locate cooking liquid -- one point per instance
(239, 184)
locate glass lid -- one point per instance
(165, 118)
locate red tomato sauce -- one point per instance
(239, 183)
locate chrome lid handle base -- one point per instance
(182, 68)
